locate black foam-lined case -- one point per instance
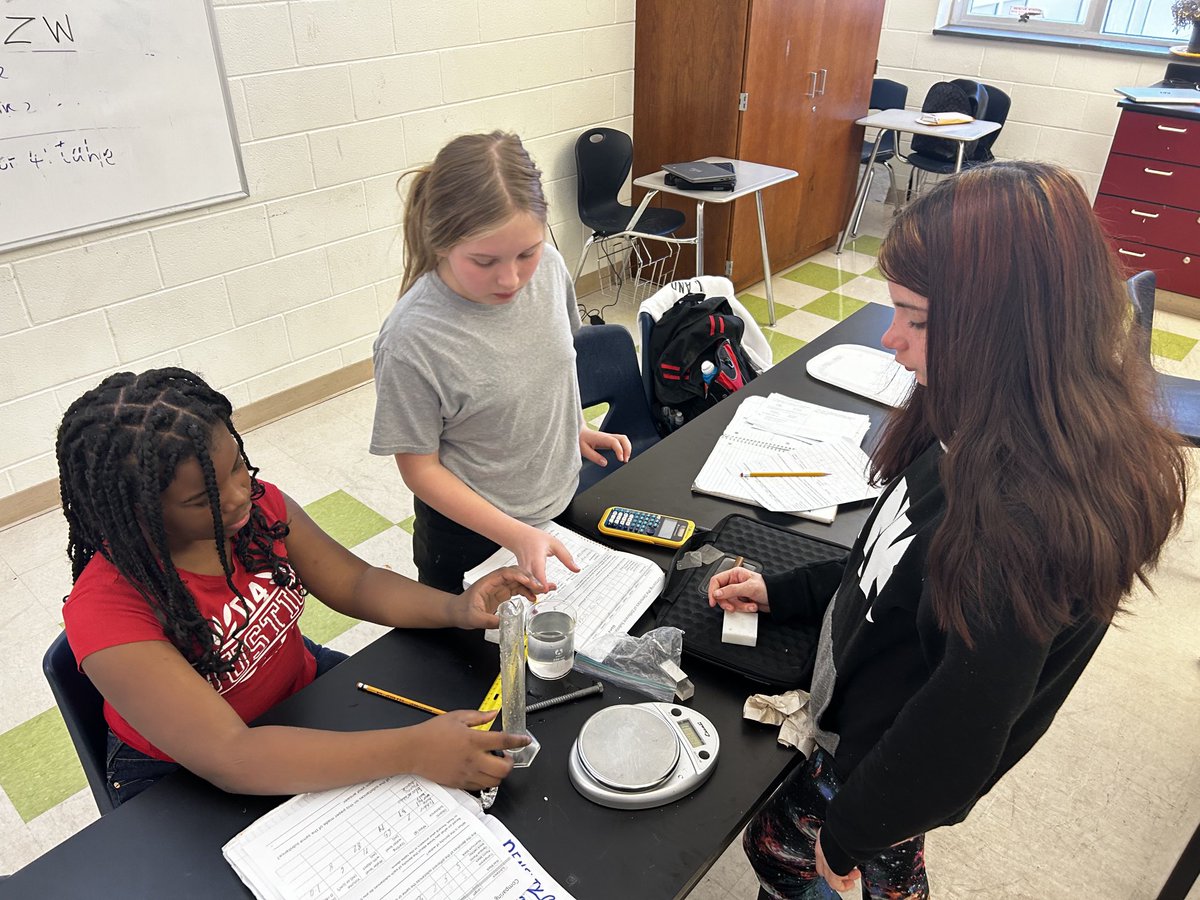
(784, 654)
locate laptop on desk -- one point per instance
(700, 172)
(1161, 94)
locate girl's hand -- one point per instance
(836, 881)
(531, 548)
(476, 607)
(592, 442)
(738, 590)
(452, 753)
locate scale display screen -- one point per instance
(690, 733)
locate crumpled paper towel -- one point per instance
(790, 711)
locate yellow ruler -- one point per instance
(491, 700)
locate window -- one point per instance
(1146, 22)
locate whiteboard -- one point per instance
(110, 111)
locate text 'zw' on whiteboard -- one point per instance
(110, 111)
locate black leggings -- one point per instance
(444, 550)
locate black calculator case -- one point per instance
(784, 655)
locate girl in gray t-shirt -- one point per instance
(476, 393)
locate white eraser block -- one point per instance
(740, 628)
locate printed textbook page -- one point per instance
(399, 838)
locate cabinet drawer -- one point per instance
(1179, 272)
(1150, 223)
(1172, 183)
(1158, 137)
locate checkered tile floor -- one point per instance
(319, 456)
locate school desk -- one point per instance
(167, 841)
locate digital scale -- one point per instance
(643, 755)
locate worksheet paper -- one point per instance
(609, 592)
(399, 838)
(845, 480)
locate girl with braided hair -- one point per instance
(189, 581)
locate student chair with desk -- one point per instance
(82, 709)
(981, 96)
(1181, 396)
(607, 367)
(603, 159)
(885, 94)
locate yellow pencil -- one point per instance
(783, 474)
(415, 704)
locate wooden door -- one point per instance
(688, 72)
(815, 135)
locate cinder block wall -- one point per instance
(1063, 106)
(333, 100)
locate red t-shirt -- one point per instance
(104, 610)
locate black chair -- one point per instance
(980, 96)
(603, 158)
(885, 94)
(1180, 396)
(82, 709)
(607, 366)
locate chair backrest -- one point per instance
(603, 159)
(82, 709)
(886, 94)
(998, 105)
(607, 366)
(949, 97)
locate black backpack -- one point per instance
(695, 330)
(950, 96)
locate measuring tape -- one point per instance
(491, 701)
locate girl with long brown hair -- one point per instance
(476, 392)
(1029, 482)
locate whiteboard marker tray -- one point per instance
(865, 371)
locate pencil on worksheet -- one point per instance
(388, 695)
(783, 474)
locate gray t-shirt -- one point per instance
(491, 389)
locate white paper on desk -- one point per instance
(787, 417)
(399, 838)
(609, 592)
(846, 481)
(539, 883)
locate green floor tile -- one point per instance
(782, 345)
(758, 308)
(817, 275)
(407, 524)
(834, 306)
(594, 415)
(347, 520)
(866, 243)
(1172, 346)
(320, 623)
(38, 765)
(875, 273)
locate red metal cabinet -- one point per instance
(1149, 199)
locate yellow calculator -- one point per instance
(650, 528)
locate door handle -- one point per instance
(1158, 172)
(812, 85)
(1138, 212)
(824, 77)
(1124, 252)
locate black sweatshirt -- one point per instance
(920, 725)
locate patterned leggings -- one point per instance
(780, 843)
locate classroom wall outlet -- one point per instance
(740, 628)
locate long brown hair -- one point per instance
(474, 185)
(1061, 485)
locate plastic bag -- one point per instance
(635, 662)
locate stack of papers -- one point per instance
(609, 593)
(944, 118)
(780, 434)
(401, 838)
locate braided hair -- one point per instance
(118, 448)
